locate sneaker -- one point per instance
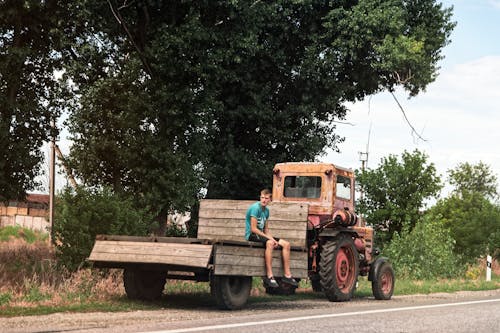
(290, 280)
(270, 282)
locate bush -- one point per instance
(83, 214)
(424, 253)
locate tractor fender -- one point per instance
(374, 267)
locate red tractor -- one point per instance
(340, 243)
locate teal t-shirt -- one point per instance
(262, 215)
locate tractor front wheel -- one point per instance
(231, 292)
(339, 267)
(382, 279)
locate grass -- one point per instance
(32, 284)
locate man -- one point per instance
(257, 230)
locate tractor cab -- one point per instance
(326, 187)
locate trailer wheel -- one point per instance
(144, 285)
(382, 280)
(339, 267)
(231, 292)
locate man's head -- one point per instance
(265, 197)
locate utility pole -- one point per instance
(363, 157)
(52, 172)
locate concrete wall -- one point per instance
(37, 223)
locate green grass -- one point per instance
(109, 306)
(16, 232)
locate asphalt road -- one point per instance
(476, 312)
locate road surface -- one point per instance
(457, 312)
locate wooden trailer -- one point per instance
(220, 254)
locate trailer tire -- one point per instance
(382, 278)
(231, 292)
(339, 268)
(144, 285)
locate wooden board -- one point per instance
(236, 260)
(225, 220)
(178, 254)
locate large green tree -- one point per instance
(32, 35)
(394, 194)
(468, 212)
(179, 95)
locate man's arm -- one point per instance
(265, 234)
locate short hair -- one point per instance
(265, 192)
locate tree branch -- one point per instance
(414, 132)
(119, 18)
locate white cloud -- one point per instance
(459, 115)
(495, 3)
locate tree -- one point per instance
(182, 95)
(473, 178)
(395, 192)
(32, 34)
(473, 220)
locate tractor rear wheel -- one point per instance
(231, 292)
(144, 285)
(383, 281)
(339, 267)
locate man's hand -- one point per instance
(275, 243)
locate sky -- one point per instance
(457, 116)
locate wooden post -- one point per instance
(52, 157)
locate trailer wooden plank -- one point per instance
(190, 255)
(225, 220)
(235, 223)
(235, 260)
(257, 271)
(222, 232)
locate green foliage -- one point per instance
(83, 214)
(494, 244)
(5, 298)
(191, 95)
(473, 222)
(34, 294)
(472, 218)
(474, 178)
(173, 230)
(28, 235)
(32, 44)
(395, 192)
(425, 252)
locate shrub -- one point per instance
(83, 214)
(424, 253)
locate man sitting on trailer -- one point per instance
(257, 230)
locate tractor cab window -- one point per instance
(343, 187)
(302, 187)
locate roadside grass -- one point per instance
(31, 283)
